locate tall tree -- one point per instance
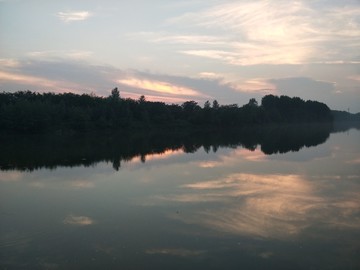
(215, 104)
(115, 94)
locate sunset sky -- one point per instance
(174, 51)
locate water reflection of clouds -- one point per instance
(271, 206)
(187, 198)
(153, 157)
(16, 239)
(233, 157)
(354, 161)
(82, 184)
(175, 252)
(73, 184)
(10, 176)
(47, 179)
(78, 220)
(169, 157)
(37, 184)
(165, 155)
(256, 155)
(61, 178)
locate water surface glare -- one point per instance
(232, 208)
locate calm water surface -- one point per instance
(232, 208)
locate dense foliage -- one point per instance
(345, 116)
(27, 111)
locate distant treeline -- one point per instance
(342, 116)
(31, 112)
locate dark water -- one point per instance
(269, 198)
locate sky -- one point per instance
(174, 51)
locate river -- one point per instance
(278, 198)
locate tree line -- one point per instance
(32, 112)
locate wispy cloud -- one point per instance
(245, 54)
(71, 16)
(185, 39)
(159, 86)
(273, 32)
(57, 75)
(25, 79)
(206, 86)
(60, 54)
(9, 63)
(42, 72)
(38, 83)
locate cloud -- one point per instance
(60, 75)
(214, 54)
(207, 88)
(254, 86)
(159, 86)
(210, 75)
(272, 32)
(42, 72)
(184, 39)
(71, 16)
(26, 80)
(226, 49)
(60, 54)
(46, 73)
(247, 54)
(9, 63)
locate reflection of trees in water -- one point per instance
(31, 153)
(292, 138)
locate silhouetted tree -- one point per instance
(115, 94)
(142, 99)
(253, 102)
(215, 104)
(207, 105)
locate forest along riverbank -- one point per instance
(30, 112)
